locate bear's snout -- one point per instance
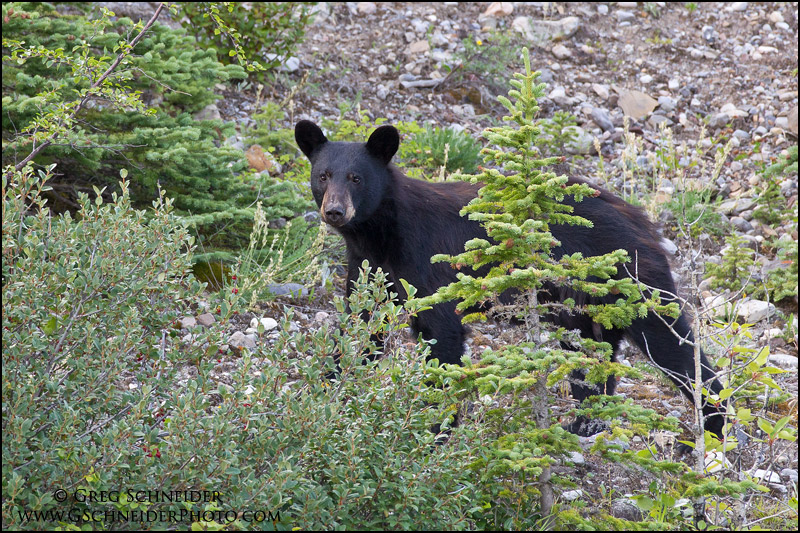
(337, 210)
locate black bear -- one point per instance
(398, 223)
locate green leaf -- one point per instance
(50, 326)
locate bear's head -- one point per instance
(349, 180)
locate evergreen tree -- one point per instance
(516, 205)
(50, 63)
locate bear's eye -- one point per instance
(354, 178)
(323, 177)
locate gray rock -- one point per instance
(239, 340)
(753, 311)
(382, 92)
(602, 118)
(790, 474)
(571, 495)
(741, 224)
(667, 104)
(582, 144)
(188, 322)
(626, 510)
(541, 32)
(742, 136)
(783, 360)
(312, 217)
(561, 51)
(654, 121)
(670, 247)
(209, 112)
(709, 34)
(288, 289)
(291, 64)
(625, 16)
(720, 120)
(206, 319)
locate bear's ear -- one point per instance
(383, 143)
(309, 137)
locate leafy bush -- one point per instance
(449, 148)
(268, 31)
(100, 394)
(87, 306)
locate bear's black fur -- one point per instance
(398, 223)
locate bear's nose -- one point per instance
(334, 215)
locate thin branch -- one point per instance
(125, 52)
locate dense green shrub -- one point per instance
(100, 394)
(87, 305)
(446, 147)
(268, 32)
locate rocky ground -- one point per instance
(709, 74)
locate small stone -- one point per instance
(188, 322)
(741, 224)
(753, 311)
(418, 47)
(783, 360)
(209, 112)
(790, 474)
(775, 16)
(625, 16)
(572, 495)
(737, 6)
(239, 340)
(206, 319)
(655, 120)
(636, 104)
(720, 120)
(381, 92)
(673, 84)
(287, 289)
(626, 510)
(267, 322)
(366, 8)
(291, 64)
(742, 136)
(667, 104)
(645, 79)
(602, 119)
(600, 90)
(496, 10)
(670, 247)
(561, 51)
(792, 118)
(541, 32)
